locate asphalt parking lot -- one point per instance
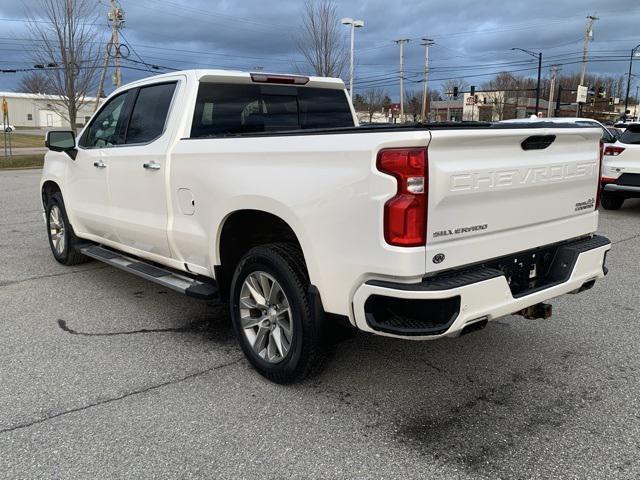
(103, 375)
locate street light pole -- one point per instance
(626, 100)
(539, 56)
(354, 24)
(538, 85)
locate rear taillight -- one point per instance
(599, 187)
(613, 151)
(405, 215)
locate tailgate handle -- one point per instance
(537, 142)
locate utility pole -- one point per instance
(588, 36)
(401, 42)
(558, 99)
(116, 17)
(634, 51)
(555, 69)
(426, 43)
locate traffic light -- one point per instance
(601, 92)
(472, 91)
(455, 92)
(611, 101)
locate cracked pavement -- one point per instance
(104, 375)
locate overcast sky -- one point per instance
(473, 39)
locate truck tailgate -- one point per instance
(482, 182)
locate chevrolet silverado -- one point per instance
(263, 191)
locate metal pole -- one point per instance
(552, 89)
(101, 81)
(538, 86)
(635, 109)
(401, 42)
(585, 46)
(116, 63)
(626, 100)
(353, 30)
(427, 43)
(402, 84)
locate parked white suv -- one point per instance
(262, 190)
(621, 169)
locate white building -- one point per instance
(36, 110)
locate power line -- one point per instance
(149, 67)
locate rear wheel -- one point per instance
(63, 242)
(611, 202)
(272, 314)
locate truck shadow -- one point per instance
(477, 401)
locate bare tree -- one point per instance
(320, 40)
(413, 99)
(65, 33)
(501, 86)
(374, 99)
(35, 82)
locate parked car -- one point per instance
(263, 191)
(607, 136)
(621, 169)
(5, 127)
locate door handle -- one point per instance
(151, 166)
(99, 164)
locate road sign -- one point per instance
(581, 94)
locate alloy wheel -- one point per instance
(56, 229)
(265, 317)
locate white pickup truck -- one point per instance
(263, 191)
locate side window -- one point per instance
(105, 129)
(150, 113)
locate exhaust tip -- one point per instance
(474, 326)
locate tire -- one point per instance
(65, 246)
(277, 356)
(611, 202)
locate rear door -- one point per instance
(137, 170)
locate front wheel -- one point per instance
(611, 202)
(63, 242)
(272, 314)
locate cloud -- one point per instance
(246, 34)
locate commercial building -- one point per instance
(36, 110)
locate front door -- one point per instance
(87, 175)
(137, 172)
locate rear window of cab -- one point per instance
(235, 109)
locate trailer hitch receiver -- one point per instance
(539, 310)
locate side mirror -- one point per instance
(62, 141)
